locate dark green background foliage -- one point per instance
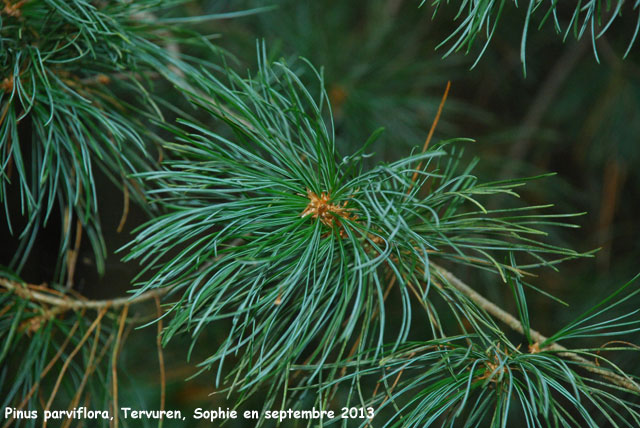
(137, 157)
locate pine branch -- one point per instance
(321, 233)
(480, 19)
(29, 292)
(542, 342)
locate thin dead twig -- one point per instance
(87, 373)
(114, 366)
(73, 353)
(125, 208)
(431, 131)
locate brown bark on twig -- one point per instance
(66, 303)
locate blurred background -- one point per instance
(570, 114)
